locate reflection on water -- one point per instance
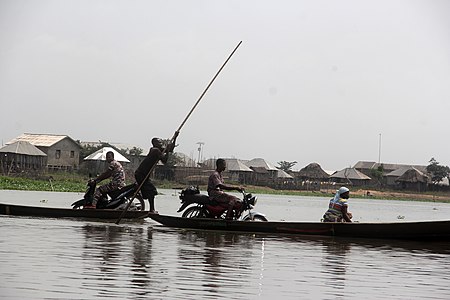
(334, 262)
(111, 248)
(67, 259)
(64, 259)
(221, 260)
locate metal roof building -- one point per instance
(21, 156)
(261, 163)
(100, 154)
(22, 147)
(63, 153)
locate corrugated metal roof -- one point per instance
(43, 140)
(388, 167)
(398, 172)
(364, 165)
(22, 147)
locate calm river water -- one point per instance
(71, 259)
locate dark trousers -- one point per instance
(148, 190)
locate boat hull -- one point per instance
(427, 230)
(47, 212)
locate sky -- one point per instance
(331, 82)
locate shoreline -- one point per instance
(78, 184)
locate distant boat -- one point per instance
(426, 230)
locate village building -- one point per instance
(95, 163)
(311, 177)
(63, 153)
(21, 156)
(264, 173)
(414, 179)
(390, 172)
(350, 176)
(236, 170)
(312, 172)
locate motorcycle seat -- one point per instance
(199, 198)
(116, 193)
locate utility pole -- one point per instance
(200, 148)
(379, 149)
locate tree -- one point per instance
(135, 151)
(286, 165)
(174, 160)
(437, 171)
(377, 173)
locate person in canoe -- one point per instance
(156, 153)
(115, 172)
(338, 207)
(216, 185)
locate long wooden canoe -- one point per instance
(425, 230)
(48, 212)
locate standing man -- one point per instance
(216, 185)
(117, 174)
(156, 153)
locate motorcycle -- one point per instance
(113, 200)
(196, 205)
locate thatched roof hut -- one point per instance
(261, 163)
(283, 175)
(20, 156)
(313, 171)
(413, 175)
(414, 179)
(235, 165)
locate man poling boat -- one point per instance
(172, 140)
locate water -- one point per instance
(70, 259)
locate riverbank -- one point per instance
(77, 183)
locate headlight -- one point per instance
(253, 200)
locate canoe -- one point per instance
(49, 212)
(424, 230)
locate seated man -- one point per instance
(216, 185)
(338, 207)
(117, 174)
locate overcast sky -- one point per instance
(313, 81)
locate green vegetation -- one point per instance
(49, 183)
(64, 182)
(286, 165)
(437, 171)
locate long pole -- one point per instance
(176, 133)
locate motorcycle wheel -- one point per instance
(256, 218)
(78, 205)
(138, 202)
(194, 212)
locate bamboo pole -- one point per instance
(172, 140)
